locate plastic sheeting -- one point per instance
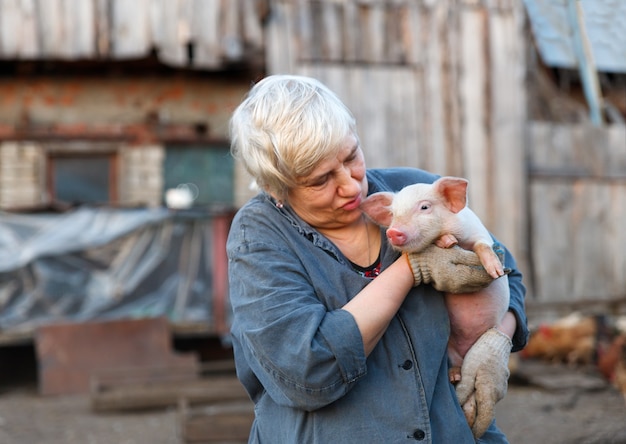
(103, 263)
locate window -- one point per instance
(209, 168)
(82, 173)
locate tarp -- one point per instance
(105, 263)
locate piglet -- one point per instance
(422, 214)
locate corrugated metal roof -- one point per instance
(605, 24)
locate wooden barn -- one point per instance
(107, 104)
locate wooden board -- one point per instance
(154, 392)
(224, 422)
(69, 354)
(577, 213)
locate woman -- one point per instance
(337, 339)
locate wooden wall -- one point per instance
(433, 84)
(577, 191)
(442, 85)
(197, 34)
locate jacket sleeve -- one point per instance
(304, 354)
(517, 302)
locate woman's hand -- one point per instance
(451, 270)
(484, 379)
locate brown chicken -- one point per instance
(612, 363)
(619, 379)
(571, 340)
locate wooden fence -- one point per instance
(577, 218)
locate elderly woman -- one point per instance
(337, 338)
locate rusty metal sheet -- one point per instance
(69, 354)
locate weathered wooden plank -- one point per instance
(577, 217)
(394, 43)
(331, 31)
(282, 40)
(551, 241)
(78, 38)
(69, 357)
(130, 34)
(575, 226)
(102, 28)
(162, 393)
(205, 33)
(579, 151)
(10, 21)
(411, 26)
(616, 237)
(223, 422)
(617, 143)
(452, 73)
(175, 34)
(368, 108)
(403, 141)
(351, 42)
(252, 30)
(301, 18)
(49, 18)
(507, 118)
(373, 32)
(475, 113)
(230, 29)
(18, 29)
(156, 29)
(436, 158)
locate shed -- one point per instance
(142, 91)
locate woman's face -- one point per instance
(330, 196)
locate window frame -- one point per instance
(84, 149)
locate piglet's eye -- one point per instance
(424, 206)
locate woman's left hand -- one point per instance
(484, 379)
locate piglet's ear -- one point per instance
(454, 192)
(378, 208)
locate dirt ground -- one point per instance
(546, 404)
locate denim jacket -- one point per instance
(301, 358)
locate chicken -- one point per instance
(571, 340)
(619, 379)
(612, 363)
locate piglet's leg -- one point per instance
(446, 241)
(456, 361)
(489, 259)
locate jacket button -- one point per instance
(407, 365)
(419, 434)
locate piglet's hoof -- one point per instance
(446, 241)
(454, 374)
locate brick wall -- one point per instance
(22, 175)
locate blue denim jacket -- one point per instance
(301, 357)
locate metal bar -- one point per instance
(586, 64)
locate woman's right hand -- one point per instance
(451, 270)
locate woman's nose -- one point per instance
(347, 183)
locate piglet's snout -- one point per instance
(396, 237)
